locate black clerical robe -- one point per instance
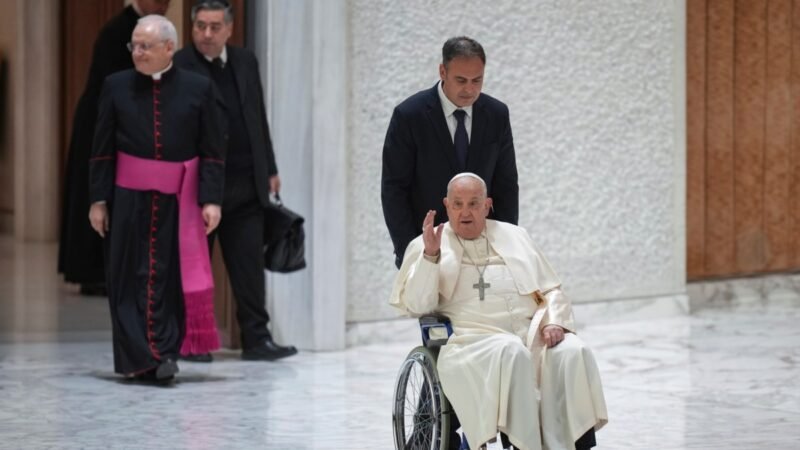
(173, 119)
(80, 254)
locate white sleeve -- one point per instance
(420, 292)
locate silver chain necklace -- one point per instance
(481, 285)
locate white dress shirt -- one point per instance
(223, 56)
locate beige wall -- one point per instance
(36, 120)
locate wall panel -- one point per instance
(742, 140)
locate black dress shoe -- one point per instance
(268, 351)
(144, 377)
(149, 378)
(201, 358)
(166, 370)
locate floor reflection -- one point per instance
(723, 378)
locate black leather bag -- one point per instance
(284, 238)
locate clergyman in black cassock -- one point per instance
(155, 114)
(80, 251)
(251, 172)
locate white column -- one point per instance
(36, 107)
(679, 108)
(301, 48)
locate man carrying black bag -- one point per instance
(250, 173)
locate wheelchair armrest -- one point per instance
(436, 329)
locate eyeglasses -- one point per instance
(143, 46)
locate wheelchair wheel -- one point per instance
(421, 412)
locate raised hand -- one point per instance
(431, 236)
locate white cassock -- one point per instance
(497, 342)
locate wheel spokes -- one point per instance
(417, 408)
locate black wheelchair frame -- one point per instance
(421, 413)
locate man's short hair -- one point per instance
(467, 175)
(213, 5)
(165, 29)
(462, 47)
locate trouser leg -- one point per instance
(455, 438)
(586, 441)
(242, 240)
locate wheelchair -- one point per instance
(421, 414)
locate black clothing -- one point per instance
(587, 441)
(251, 99)
(419, 159)
(460, 138)
(173, 119)
(241, 238)
(250, 164)
(239, 158)
(80, 253)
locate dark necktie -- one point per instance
(218, 62)
(460, 139)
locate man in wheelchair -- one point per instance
(513, 363)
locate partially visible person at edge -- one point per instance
(157, 175)
(251, 172)
(80, 251)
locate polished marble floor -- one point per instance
(722, 378)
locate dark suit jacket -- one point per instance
(419, 159)
(251, 97)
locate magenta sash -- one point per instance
(181, 179)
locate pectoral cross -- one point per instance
(481, 286)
